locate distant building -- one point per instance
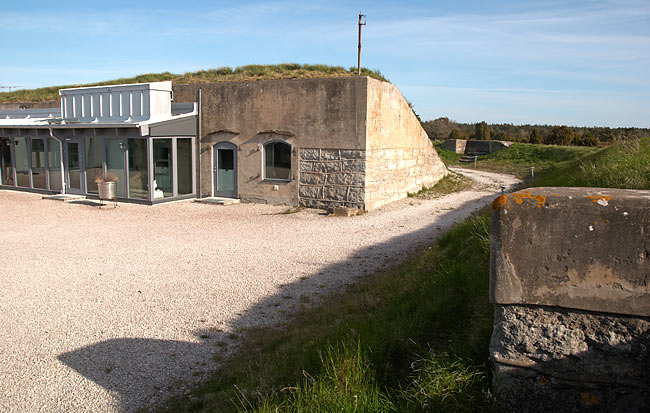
(323, 143)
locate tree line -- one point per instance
(444, 128)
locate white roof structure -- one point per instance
(139, 105)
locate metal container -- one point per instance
(107, 190)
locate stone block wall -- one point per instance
(331, 178)
(570, 280)
(394, 172)
(400, 155)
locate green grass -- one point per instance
(519, 157)
(453, 182)
(413, 338)
(222, 74)
(623, 165)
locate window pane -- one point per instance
(115, 164)
(74, 165)
(277, 157)
(162, 168)
(7, 171)
(54, 163)
(38, 163)
(93, 162)
(138, 175)
(184, 160)
(225, 170)
(22, 162)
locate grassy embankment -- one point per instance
(623, 165)
(518, 159)
(222, 74)
(412, 338)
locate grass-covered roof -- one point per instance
(222, 74)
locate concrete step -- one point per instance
(64, 197)
(216, 200)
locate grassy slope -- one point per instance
(624, 165)
(518, 159)
(222, 74)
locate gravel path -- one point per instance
(114, 309)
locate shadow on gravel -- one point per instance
(131, 368)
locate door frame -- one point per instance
(215, 168)
(82, 166)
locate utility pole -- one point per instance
(362, 22)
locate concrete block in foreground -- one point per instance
(570, 273)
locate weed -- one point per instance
(292, 210)
(451, 183)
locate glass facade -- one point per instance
(73, 165)
(54, 163)
(94, 156)
(163, 168)
(138, 171)
(36, 163)
(115, 153)
(22, 162)
(39, 173)
(7, 171)
(184, 165)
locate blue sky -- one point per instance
(548, 62)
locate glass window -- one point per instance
(115, 164)
(39, 178)
(162, 168)
(277, 161)
(184, 161)
(94, 157)
(7, 172)
(138, 173)
(54, 163)
(22, 162)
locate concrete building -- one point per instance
(323, 143)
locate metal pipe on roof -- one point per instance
(197, 181)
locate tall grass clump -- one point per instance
(409, 339)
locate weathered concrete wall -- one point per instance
(307, 113)
(473, 147)
(400, 156)
(455, 145)
(570, 274)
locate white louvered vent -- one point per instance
(117, 103)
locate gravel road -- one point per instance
(115, 309)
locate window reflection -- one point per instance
(39, 178)
(22, 162)
(277, 161)
(162, 168)
(138, 174)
